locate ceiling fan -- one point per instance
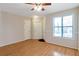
(39, 6)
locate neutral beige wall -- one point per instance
(12, 28)
(1, 33)
(78, 28)
(72, 43)
(15, 28)
(27, 29)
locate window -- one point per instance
(63, 26)
(57, 26)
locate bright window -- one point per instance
(63, 26)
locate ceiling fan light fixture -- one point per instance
(39, 6)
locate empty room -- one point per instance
(39, 29)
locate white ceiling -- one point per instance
(24, 9)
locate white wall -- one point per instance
(12, 28)
(72, 43)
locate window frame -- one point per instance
(62, 26)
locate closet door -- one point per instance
(37, 28)
(27, 29)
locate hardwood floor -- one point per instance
(36, 48)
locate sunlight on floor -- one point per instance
(57, 54)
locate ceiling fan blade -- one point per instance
(30, 3)
(46, 4)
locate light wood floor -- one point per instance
(36, 48)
